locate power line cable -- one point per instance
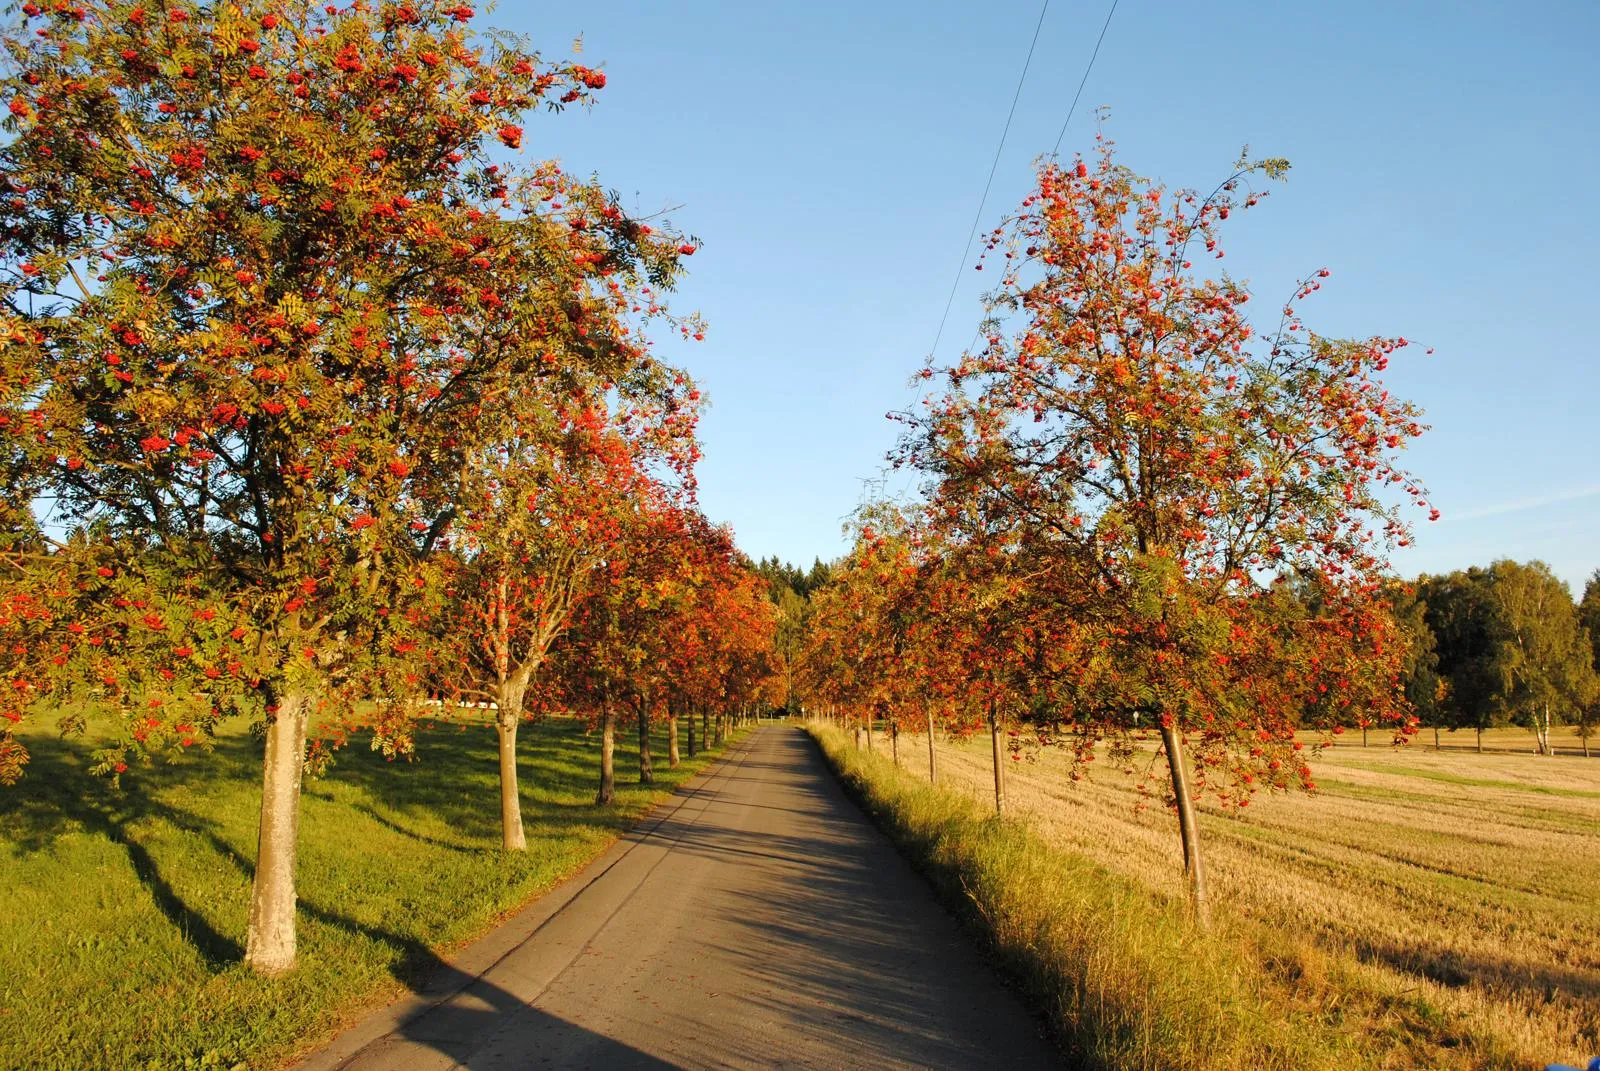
(994, 166)
(1055, 150)
(1085, 79)
(983, 200)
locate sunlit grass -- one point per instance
(1438, 908)
(125, 912)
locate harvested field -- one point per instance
(1467, 880)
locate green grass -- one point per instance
(124, 912)
(1125, 978)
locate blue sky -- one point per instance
(829, 156)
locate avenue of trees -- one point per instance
(1152, 516)
(320, 404)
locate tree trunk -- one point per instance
(705, 728)
(689, 725)
(1187, 828)
(269, 940)
(894, 742)
(511, 835)
(868, 720)
(932, 767)
(1480, 740)
(1363, 736)
(508, 699)
(999, 770)
(856, 729)
(673, 758)
(1436, 738)
(646, 775)
(608, 747)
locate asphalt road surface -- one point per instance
(756, 921)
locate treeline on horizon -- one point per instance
(1502, 645)
(1490, 646)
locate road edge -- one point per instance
(481, 954)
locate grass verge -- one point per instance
(125, 912)
(1441, 923)
(1126, 980)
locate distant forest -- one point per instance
(782, 575)
(1503, 645)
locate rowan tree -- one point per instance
(259, 263)
(1125, 420)
(611, 654)
(543, 502)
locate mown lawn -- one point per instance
(124, 912)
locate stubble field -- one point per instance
(1470, 881)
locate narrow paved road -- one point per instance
(758, 921)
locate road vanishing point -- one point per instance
(757, 920)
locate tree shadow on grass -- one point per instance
(67, 798)
(455, 778)
(61, 797)
(455, 782)
(378, 818)
(1540, 982)
(58, 795)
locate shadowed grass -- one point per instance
(125, 911)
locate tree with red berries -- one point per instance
(542, 506)
(607, 661)
(1159, 459)
(260, 265)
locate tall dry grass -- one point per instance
(1442, 907)
(1127, 982)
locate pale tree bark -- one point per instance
(269, 938)
(608, 747)
(999, 770)
(646, 774)
(1187, 829)
(688, 723)
(673, 758)
(932, 767)
(509, 698)
(511, 835)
